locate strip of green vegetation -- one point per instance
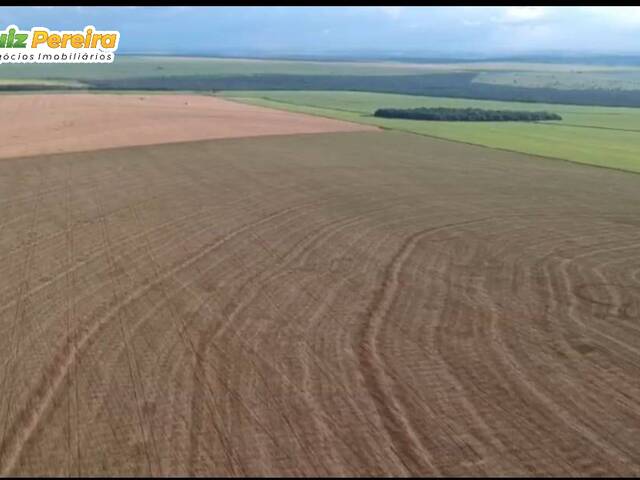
(602, 136)
(465, 114)
(17, 84)
(26, 81)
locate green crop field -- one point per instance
(159, 66)
(603, 136)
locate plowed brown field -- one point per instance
(41, 123)
(370, 303)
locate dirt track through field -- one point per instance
(366, 303)
(54, 123)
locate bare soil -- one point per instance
(53, 123)
(371, 303)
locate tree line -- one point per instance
(465, 114)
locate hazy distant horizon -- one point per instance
(611, 59)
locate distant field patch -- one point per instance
(602, 136)
(68, 123)
(137, 66)
(576, 80)
(15, 84)
(128, 67)
(500, 81)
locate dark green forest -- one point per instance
(455, 85)
(465, 114)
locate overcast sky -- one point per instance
(444, 30)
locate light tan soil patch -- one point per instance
(52, 123)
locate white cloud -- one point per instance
(521, 14)
(393, 12)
